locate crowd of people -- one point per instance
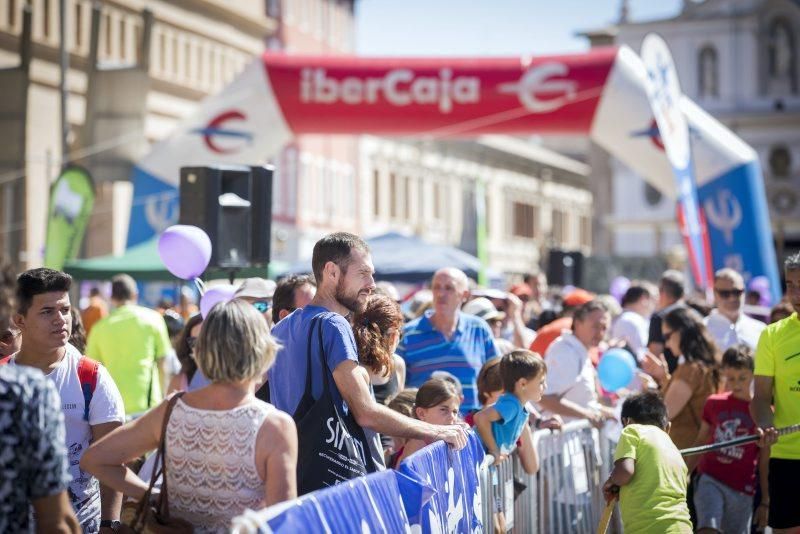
(295, 386)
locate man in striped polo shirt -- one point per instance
(446, 339)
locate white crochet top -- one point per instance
(211, 471)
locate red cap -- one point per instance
(521, 290)
(579, 297)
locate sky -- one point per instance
(489, 27)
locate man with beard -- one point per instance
(343, 270)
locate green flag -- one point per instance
(481, 237)
(71, 203)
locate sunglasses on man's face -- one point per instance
(262, 306)
(728, 293)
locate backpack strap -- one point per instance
(87, 375)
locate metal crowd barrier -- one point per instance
(565, 496)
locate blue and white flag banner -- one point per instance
(435, 490)
(456, 504)
(367, 504)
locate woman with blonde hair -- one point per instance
(226, 451)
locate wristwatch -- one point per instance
(114, 525)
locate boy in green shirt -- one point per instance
(649, 474)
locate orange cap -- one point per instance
(579, 297)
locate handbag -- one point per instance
(338, 453)
(144, 517)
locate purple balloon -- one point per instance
(215, 295)
(619, 285)
(761, 284)
(185, 250)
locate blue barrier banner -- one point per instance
(456, 504)
(375, 503)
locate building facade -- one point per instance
(127, 93)
(534, 199)
(315, 189)
(153, 61)
(740, 61)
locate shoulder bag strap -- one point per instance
(314, 322)
(163, 498)
(323, 363)
(159, 467)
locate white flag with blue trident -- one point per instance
(664, 92)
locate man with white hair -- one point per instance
(727, 324)
(447, 339)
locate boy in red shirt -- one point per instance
(724, 491)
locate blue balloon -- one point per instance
(616, 369)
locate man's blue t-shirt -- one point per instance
(287, 377)
(515, 416)
(426, 350)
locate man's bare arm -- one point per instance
(110, 500)
(351, 381)
(761, 410)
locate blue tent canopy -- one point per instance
(400, 258)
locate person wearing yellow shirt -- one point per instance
(777, 370)
(649, 475)
(133, 343)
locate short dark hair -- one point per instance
(38, 281)
(532, 277)
(283, 298)
(646, 408)
(672, 283)
(335, 247)
(587, 309)
(634, 294)
(489, 380)
(739, 356)
(518, 364)
(699, 304)
(123, 287)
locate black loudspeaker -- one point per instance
(565, 268)
(233, 204)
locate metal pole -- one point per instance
(62, 86)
